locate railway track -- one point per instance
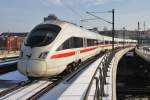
(66, 78)
(29, 89)
(13, 88)
(35, 89)
(25, 91)
(8, 65)
(9, 59)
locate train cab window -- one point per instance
(73, 42)
(42, 35)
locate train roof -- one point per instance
(74, 27)
(91, 34)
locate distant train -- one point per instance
(143, 52)
(54, 46)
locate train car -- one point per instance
(143, 52)
(54, 46)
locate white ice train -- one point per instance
(53, 46)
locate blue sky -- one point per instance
(23, 15)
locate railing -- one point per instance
(100, 79)
(8, 51)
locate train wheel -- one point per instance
(69, 68)
(75, 65)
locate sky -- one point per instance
(23, 15)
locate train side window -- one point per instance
(89, 42)
(115, 42)
(73, 42)
(92, 42)
(106, 42)
(78, 42)
(96, 42)
(100, 42)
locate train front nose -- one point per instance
(32, 68)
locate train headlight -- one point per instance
(43, 55)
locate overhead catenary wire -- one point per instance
(98, 17)
(67, 6)
(88, 19)
(71, 9)
(102, 12)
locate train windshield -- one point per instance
(42, 35)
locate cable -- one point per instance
(71, 9)
(98, 17)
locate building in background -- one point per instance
(11, 41)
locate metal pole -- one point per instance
(113, 31)
(138, 33)
(123, 36)
(144, 25)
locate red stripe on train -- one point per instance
(105, 45)
(68, 54)
(88, 49)
(62, 55)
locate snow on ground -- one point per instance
(15, 75)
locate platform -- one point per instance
(11, 54)
(74, 89)
(111, 87)
(10, 79)
(143, 52)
